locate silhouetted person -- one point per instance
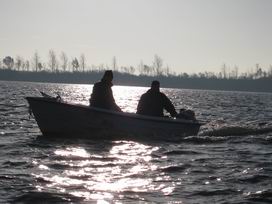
(101, 96)
(153, 102)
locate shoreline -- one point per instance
(124, 79)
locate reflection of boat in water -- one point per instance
(61, 119)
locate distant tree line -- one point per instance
(60, 63)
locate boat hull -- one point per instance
(57, 119)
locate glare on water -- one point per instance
(124, 95)
(101, 177)
(233, 166)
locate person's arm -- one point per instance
(114, 106)
(140, 106)
(93, 96)
(169, 106)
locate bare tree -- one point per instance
(258, 72)
(224, 71)
(114, 64)
(94, 67)
(45, 67)
(23, 65)
(141, 68)
(82, 60)
(18, 62)
(236, 72)
(75, 65)
(269, 72)
(27, 65)
(123, 69)
(157, 65)
(64, 61)
(40, 66)
(53, 62)
(131, 70)
(36, 61)
(101, 67)
(147, 70)
(167, 71)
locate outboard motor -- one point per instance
(186, 114)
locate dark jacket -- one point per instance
(102, 96)
(152, 103)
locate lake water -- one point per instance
(230, 161)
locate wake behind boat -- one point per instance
(61, 119)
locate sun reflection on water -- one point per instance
(125, 167)
(80, 152)
(123, 96)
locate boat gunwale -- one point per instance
(123, 114)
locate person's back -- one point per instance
(102, 96)
(153, 102)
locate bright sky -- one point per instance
(189, 35)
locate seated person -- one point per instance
(102, 96)
(153, 102)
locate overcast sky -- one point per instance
(189, 35)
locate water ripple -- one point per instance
(228, 162)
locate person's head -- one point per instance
(155, 85)
(108, 76)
